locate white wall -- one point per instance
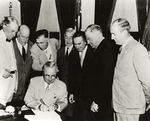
(4, 9)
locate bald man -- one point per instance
(22, 47)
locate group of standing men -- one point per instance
(104, 86)
(90, 73)
(101, 88)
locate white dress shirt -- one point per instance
(48, 53)
(82, 55)
(69, 49)
(20, 46)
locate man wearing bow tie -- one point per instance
(8, 68)
(131, 82)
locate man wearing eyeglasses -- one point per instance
(47, 93)
(8, 68)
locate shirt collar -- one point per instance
(20, 46)
(69, 48)
(46, 50)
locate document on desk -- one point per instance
(43, 116)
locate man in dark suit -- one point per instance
(22, 47)
(79, 60)
(99, 75)
(63, 55)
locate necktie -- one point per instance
(46, 94)
(23, 53)
(47, 88)
(81, 58)
(66, 55)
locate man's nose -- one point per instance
(14, 33)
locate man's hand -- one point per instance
(43, 107)
(71, 98)
(94, 107)
(7, 73)
(53, 107)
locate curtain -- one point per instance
(142, 16)
(29, 15)
(103, 12)
(66, 15)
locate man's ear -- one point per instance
(4, 27)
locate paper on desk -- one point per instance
(43, 116)
(4, 113)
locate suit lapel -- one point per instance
(124, 50)
(28, 55)
(16, 47)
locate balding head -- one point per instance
(23, 34)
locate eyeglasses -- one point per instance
(50, 76)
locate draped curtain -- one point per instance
(103, 10)
(103, 14)
(66, 15)
(142, 16)
(29, 15)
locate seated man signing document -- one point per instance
(47, 93)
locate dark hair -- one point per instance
(40, 33)
(80, 34)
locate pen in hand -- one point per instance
(42, 102)
(52, 107)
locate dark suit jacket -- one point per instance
(97, 85)
(62, 65)
(24, 69)
(76, 72)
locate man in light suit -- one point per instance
(79, 60)
(47, 93)
(23, 64)
(42, 51)
(131, 84)
(8, 68)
